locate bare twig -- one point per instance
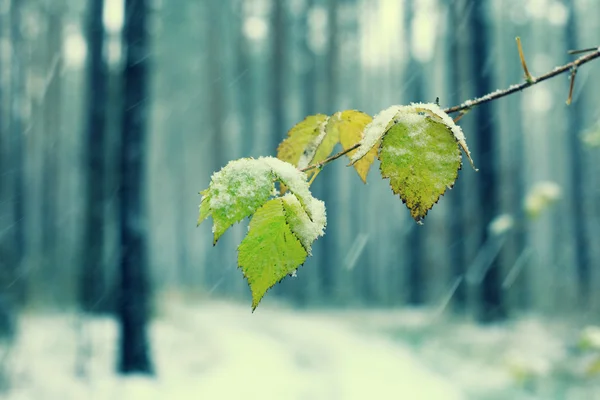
(517, 88)
(582, 50)
(467, 105)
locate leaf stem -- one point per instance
(592, 55)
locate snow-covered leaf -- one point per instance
(350, 125)
(270, 251)
(282, 230)
(421, 157)
(242, 186)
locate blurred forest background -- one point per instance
(115, 113)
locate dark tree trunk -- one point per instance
(12, 235)
(134, 293)
(574, 118)
(491, 306)
(7, 271)
(93, 289)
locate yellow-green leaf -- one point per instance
(300, 137)
(270, 251)
(350, 125)
(421, 157)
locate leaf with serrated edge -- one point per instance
(270, 251)
(421, 158)
(350, 124)
(300, 137)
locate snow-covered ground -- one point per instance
(221, 351)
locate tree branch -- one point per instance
(517, 88)
(467, 105)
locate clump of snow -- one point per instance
(239, 180)
(374, 131)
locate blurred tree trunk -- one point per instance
(12, 233)
(134, 296)
(414, 92)
(93, 291)
(577, 189)
(455, 46)
(52, 106)
(491, 307)
(7, 270)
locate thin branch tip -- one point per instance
(530, 79)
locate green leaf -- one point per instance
(350, 125)
(270, 251)
(421, 157)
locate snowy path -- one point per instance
(223, 352)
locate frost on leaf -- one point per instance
(349, 126)
(421, 158)
(374, 131)
(270, 251)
